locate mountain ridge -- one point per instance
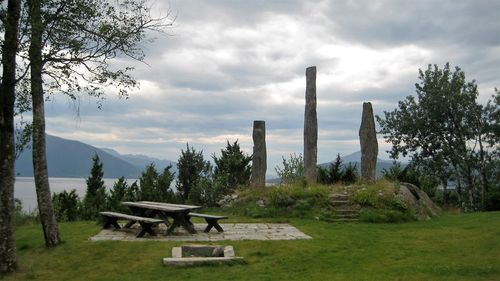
(73, 159)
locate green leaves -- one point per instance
(446, 131)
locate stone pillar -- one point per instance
(369, 145)
(310, 127)
(259, 160)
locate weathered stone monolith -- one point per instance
(259, 160)
(310, 127)
(369, 145)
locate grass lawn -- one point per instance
(453, 247)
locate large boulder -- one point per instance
(417, 200)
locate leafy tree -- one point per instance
(232, 168)
(413, 175)
(71, 44)
(9, 26)
(164, 182)
(349, 174)
(95, 198)
(154, 186)
(66, 205)
(118, 194)
(446, 132)
(332, 174)
(147, 183)
(208, 189)
(191, 167)
(47, 214)
(292, 170)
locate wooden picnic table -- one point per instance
(178, 212)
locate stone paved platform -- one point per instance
(237, 231)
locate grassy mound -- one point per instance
(380, 201)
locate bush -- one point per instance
(66, 205)
(191, 167)
(293, 169)
(95, 197)
(332, 174)
(492, 201)
(350, 174)
(154, 186)
(379, 203)
(413, 175)
(232, 168)
(121, 192)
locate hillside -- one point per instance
(355, 159)
(69, 158)
(142, 161)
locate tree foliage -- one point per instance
(332, 174)
(191, 168)
(95, 197)
(447, 132)
(66, 205)
(292, 170)
(154, 186)
(412, 174)
(232, 168)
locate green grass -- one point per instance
(452, 247)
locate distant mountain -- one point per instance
(141, 161)
(69, 158)
(355, 159)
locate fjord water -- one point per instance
(24, 188)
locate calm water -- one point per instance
(25, 188)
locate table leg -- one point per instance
(146, 228)
(180, 220)
(213, 223)
(111, 221)
(129, 224)
(164, 217)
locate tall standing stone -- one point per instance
(310, 127)
(259, 159)
(369, 145)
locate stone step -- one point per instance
(346, 216)
(340, 202)
(346, 211)
(340, 198)
(341, 205)
(345, 220)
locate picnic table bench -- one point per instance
(146, 223)
(211, 220)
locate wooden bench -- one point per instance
(211, 220)
(146, 223)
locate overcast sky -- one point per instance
(227, 63)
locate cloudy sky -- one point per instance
(226, 63)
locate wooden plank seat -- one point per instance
(146, 223)
(211, 220)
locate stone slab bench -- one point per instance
(211, 220)
(146, 223)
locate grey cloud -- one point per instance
(472, 23)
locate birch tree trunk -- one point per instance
(47, 216)
(8, 258)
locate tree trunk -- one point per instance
(7, 143)
(369, 145)
(310, 127)
(259, 158)
(47, 216)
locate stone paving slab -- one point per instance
(232, 231)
